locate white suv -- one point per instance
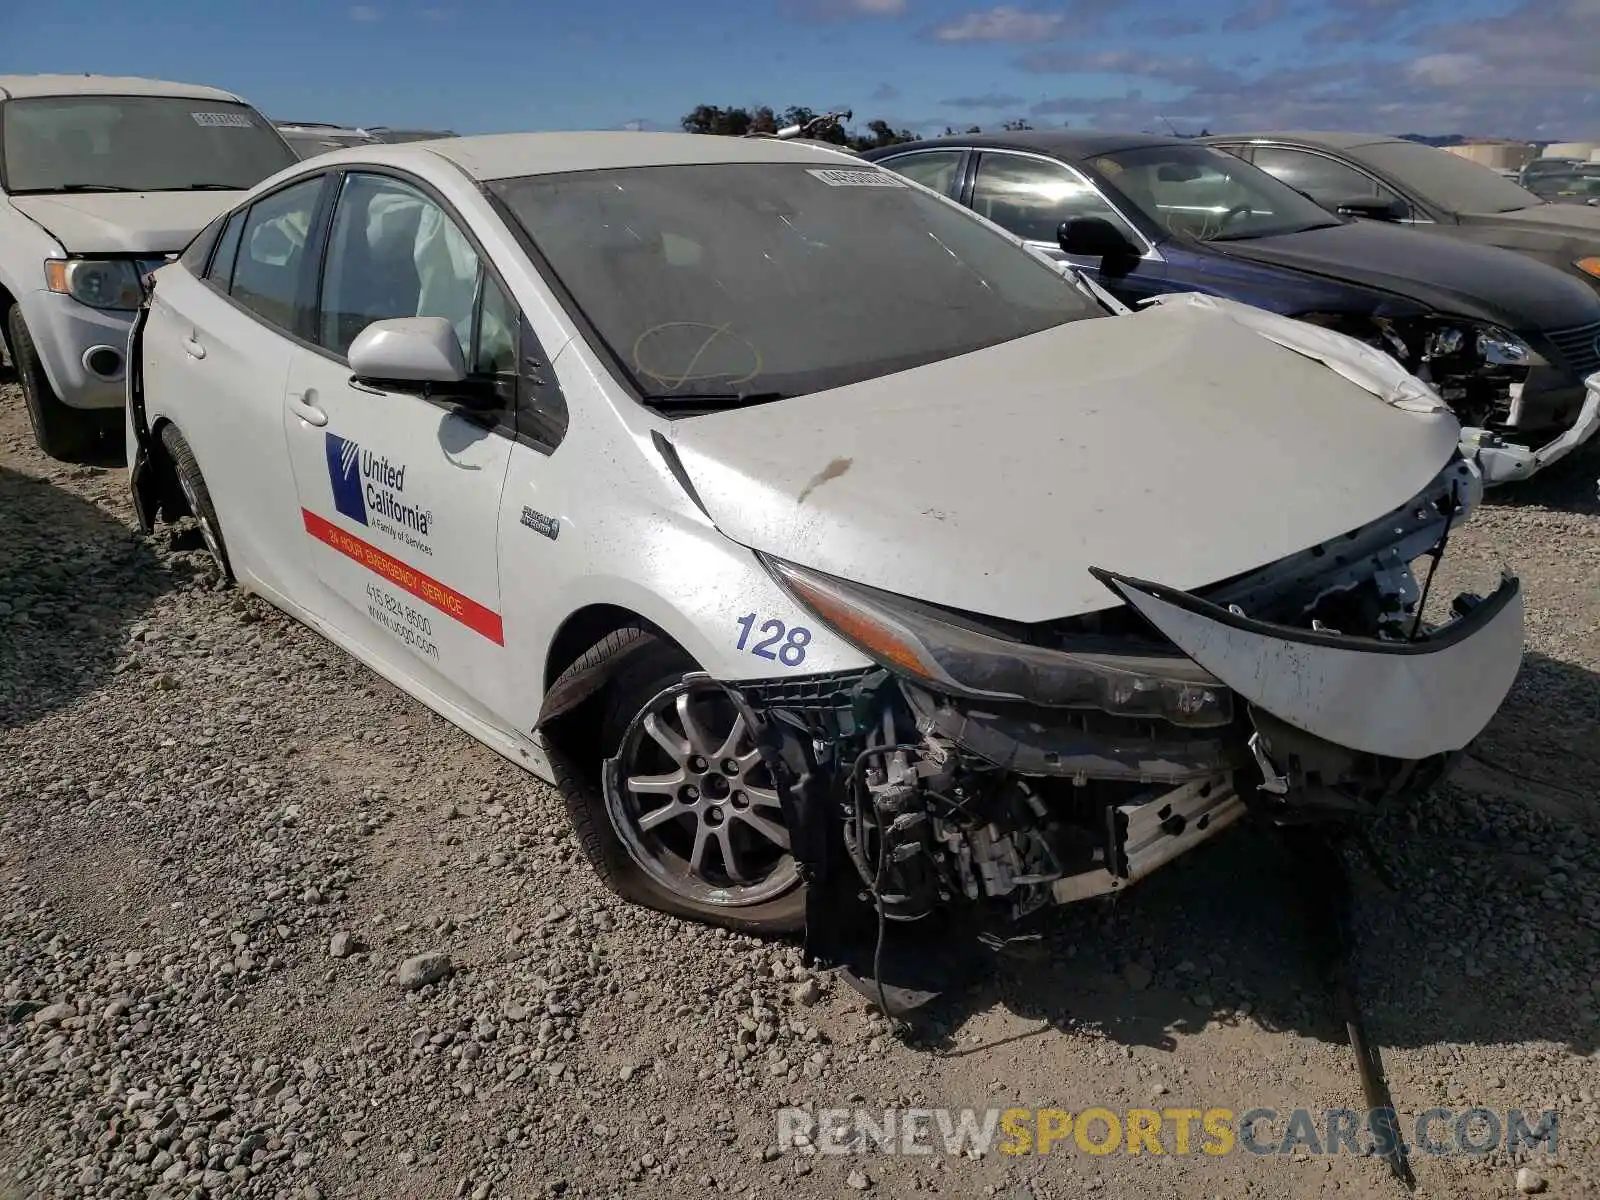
(101, 179)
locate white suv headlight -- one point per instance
(98, 282)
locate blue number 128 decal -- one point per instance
(790, 640)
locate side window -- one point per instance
(1324, 180)
(1031, 197)
(1237, 149)
(505, 348)
(495, 351)
(935, 169)
(198, 250)
(394, 253)
(269, 277)
(221, 272)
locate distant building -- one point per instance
(1501, 155)
(1583, 151)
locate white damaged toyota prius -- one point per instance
(836, 558)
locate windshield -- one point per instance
(1447, 180)
(1198, 192)
(135, 144)
(763, 280)
(1580, 181)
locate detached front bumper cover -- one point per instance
(1403, 700)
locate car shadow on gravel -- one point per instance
(1490, 938)
(74, 580)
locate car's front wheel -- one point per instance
(695, 828)
(65, 433)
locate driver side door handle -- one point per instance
(305, 407)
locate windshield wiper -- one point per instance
(204, 187)
(712, 399)
(1247, 234)
(72, 187)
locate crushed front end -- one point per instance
(1524, 401)
(1011, 767)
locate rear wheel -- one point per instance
(697, 831)
(197, 497)
(65, 433)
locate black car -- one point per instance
(1507, 341)
(1578, 184)
(1392, 179)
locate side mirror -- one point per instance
(1094, 237)
(408, 354)
(1374, 208)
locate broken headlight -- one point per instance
(937, 650)
(1487, 346)
(1478, 369)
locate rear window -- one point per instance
(135, 144)
(1450, 181)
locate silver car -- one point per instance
(101, 179)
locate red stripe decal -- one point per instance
(425, 588)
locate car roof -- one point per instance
(1067, 144)
(1328, 139)
(511, 155)
(17, 86)
(321, 126)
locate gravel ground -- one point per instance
(221, 841)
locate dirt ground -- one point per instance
(220, 837)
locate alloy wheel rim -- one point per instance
(700, 812)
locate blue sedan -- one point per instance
(1508, 341)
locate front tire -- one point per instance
(706, 827)
(64, 433)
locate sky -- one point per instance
(1508, 68)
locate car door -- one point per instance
(1030, 196)
(217, 350)
(399, 493)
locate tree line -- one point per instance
(740, 122)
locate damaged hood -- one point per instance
(1176, 444)
(124, 222)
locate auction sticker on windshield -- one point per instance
(227, 120)
(837, 177)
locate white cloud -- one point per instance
(1444, 70)
(1002, 24)
(842, 10)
